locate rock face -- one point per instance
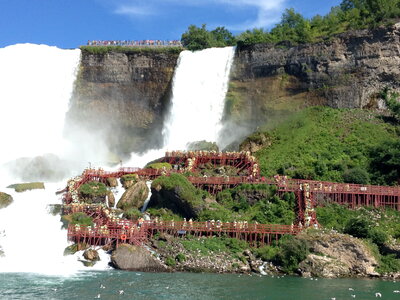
(134, 258)
(5, 200)
(128, 92)
(269, 81)
(348, 71)
(134, 196)
(339, 255)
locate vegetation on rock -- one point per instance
(5, 200)
(93, 192)
(23, 187)
(202, 145)
(322, 143)
(159, 165)
(178, 194)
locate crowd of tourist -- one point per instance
(163, 43)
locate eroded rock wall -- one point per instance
(122, 97)
(269, 81)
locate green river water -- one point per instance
(87, 285)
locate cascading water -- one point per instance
(37, 82)
(199, 87)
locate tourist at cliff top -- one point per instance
(135, 43)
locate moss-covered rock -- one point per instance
(134, 196)
(178, 194)
(128, 180)
(78, 218)
(202, 145)
(159, 165)
(112, 182)
(22, 187)
(110, 199)
(72, 249)
(5, 200)
(93, 192)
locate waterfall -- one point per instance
(36, 85)
(199, 87)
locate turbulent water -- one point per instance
(36, 85)
(198, 96)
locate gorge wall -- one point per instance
(124, 95)
(347, 71)
(121, 97)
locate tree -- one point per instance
(197, 38)
(255, 36)
(223, 37)
(385, 163)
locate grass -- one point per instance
(322, 143)
(93, 189)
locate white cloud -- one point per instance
(268, 11)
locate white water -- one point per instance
(37, 82)
(36, 85)
(199, 87)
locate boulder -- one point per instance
(112, 182)
(176, 193)
(111, 199)
(135, 258)
(134, 196)
(23, 187)
(5, 200)
(91, 254)
(323, 266)
(340, 254)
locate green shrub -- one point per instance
(389, 263)
(358, 227)
(293, 251)
(170, 261)
(132, 214)
(356, 175)
(180, 257)
(267, 253)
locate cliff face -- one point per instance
(348, 71)
(121, 98)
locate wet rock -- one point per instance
(72, 249)
(112, 182)
(203, 146)
(91, 254)
(5, 200)
(134, 196)
(135, 258)
(110, 199)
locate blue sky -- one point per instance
(70, 23)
